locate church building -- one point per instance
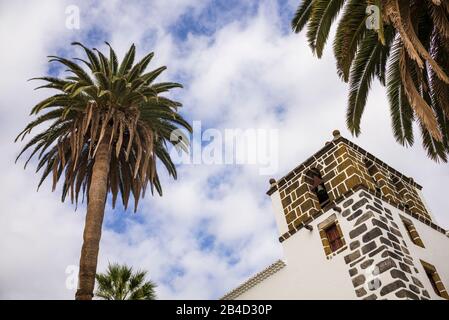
(351, 227)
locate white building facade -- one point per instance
(351, 227)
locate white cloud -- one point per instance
(214, 226)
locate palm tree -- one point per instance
(121, 283)
(108, 127)
(408, 52)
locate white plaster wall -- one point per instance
(279, 215)
(308, 274)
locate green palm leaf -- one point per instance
(417, 83)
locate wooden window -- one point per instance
(413, 234)
(334, 237)
(331, 236)
(435, 280)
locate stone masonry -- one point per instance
(343, 166)
(373, 226)
(379, 264)
(378, 260)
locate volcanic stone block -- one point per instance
(392, 287)
(292, 187)
(358, 280)
(286, 201)
(355, 215)
(396, 232)
(369, 247)
(352, 256)
(414, 288)
(383, 219)
(405, 267)
(353, 272)
(385, 241)
(366, 195)
(356, 261)
(364, 217)
(380, 249)
(399, 253)
(385, 265)
(358, 231)
(378, 205)
(392, 237)
(417, 282)
(360, 292)
(380, 224)
(359, 204)
(372, 234)
(391, 254)
(396, 246)
(354, 245)
(367, 263)
(290, 216)
(398, 274)
(347, 203)
(403, 293)
(374, 209)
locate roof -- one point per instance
(329, 145)
(256, 279)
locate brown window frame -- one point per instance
(334, 237)
(435, 280)
(410, 227)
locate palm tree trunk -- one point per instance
(94, 220)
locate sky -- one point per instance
(241, 68)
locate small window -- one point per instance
(331, 235)
(435, 280)
(320, 189)
(334, 237)
(429, 275)
(413, 234)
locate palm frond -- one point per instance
(122, 106)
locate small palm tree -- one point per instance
(121, 283)
(407, 50)
(108, 127)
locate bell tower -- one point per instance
(351, 227)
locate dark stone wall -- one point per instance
(379, 263)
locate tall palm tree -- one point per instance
(408, 52)
(108, 126)
(121, 283)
